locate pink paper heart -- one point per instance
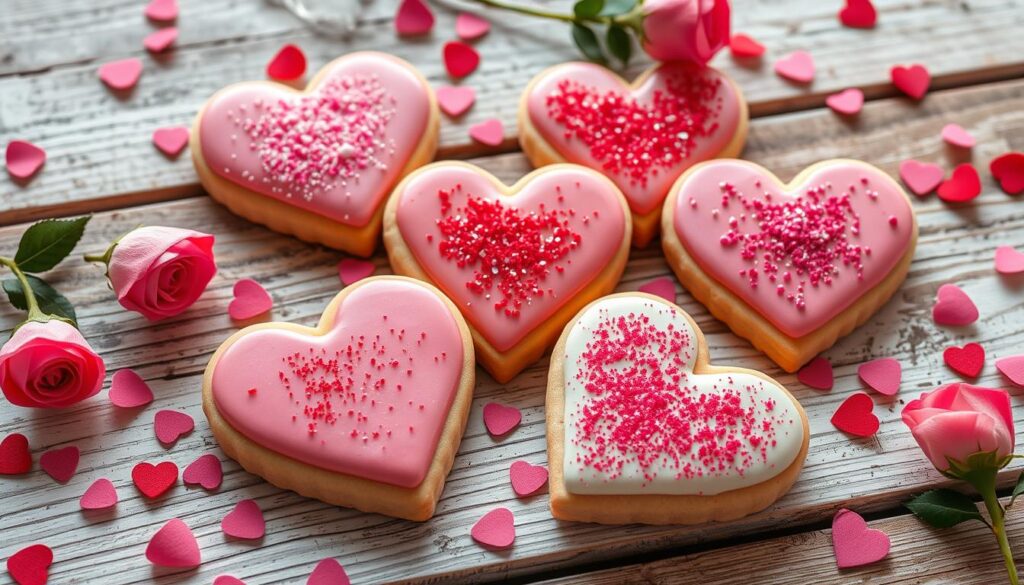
(495, 529)
(745, 47)
(413, 18)
(817, 374)
(162, 10)
(24, 159)
(227, 580)
(662, 287)
(953, 307)
(455, 100)
(328, 572)
(856, 416)
(1013, 368)
(121, 75)
(854, 543)
(129, 390)
(847, 102)
(159, 41)
(469, 26)
(289, 64)
(31, 565)
(882, 374)
(353, 270)
(99, 496)
(798, 66)
(245, 521)
(205, 471)
(1009, 260)
(60, 464)
(174, 545)
(500, 419)
(913, 80)
(921, 178)
(527, 479)
(171, 141)
(170, 425)
(955, 135)
(460, 59)
(489, 132)
(251, 300)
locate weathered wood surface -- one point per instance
(870, 475)
(100, 156)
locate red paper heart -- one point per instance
(489, 132)
(205, 471)
(955, 135)
(469, 26)
(855, 416)
(500, 419)
(171, 141)
(963, 185)
(245, 521)
(100, 495)
(15, 458)
(328, 572)
(882, 374)
(159, 41)
(413, 18)
(921, 178)
(495, 529)
(121, 75)
(251, 300)
(1013, 368)
(817, 374)
(745, 47)
(662, 287)
(527, 479)
(455, 100)
(953, 307)
(352, 270)
(31, 565)
(154, 480)
(24, 159)
(1009, 260)
(913, 80)
(174, 545)
(854, 543)
(170, 425)
(288, 64)
(967, 360)
(798, 66)
(129, 390)
(227, 580)
(847, 102)
(858, 14)
(60, 464)
(1008, 169)
(460, 59)
(162, 10)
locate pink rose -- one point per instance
(49, 365)
(957, 420)
(685, 30)
(161, 271)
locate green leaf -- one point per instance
(50, 301)
(944, 508)
(588, 8)
(617, 7)
(44, 244)
(586, 40)
(1017, 489)
(619, 44)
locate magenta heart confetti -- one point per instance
(351, 270)
(60, 464)
(31, 565)
(882, 374)
(854, 543)
(174, 545)
(1013, 368)
(798, 66)
(245, 521)
(206, 471)
(489, 132)
(162, 10)
(817, 374)
(251, 300)
(129, 390)
(955, 135)
(921, 178)
(227, 580)
(121, 75)
(527, 479)
(170, 425)
(455, 100)
(24, 159)
(460, 59)
(662, 287)
(413, 18)
(171, 141)
(495, 529)
(100, 495)
(1009, 260)
(328, 572)
(161, 40)
(847, 102)
(289, 64)
(500, 419)
(953, 307)
(470, 27)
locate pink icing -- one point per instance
(335, 151)
(442, 209)
(368, 398)
(798, 258)
(680, 115)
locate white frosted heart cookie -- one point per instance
(642, 428)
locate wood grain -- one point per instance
(100, 156)
(870, 475)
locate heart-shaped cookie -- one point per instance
(318, 164)
(791, 267)
(642, 428)
(365, 410)
(518, 261)
(641, 135)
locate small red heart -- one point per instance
(159, 41)
(660, 287)
(500, 419)
(882, 374)
(129, 390)
(100, 495)
(922, 178)
(913, 80)
(413, 18)
(855, 416)
(15, 458)
(962, 186)
(967, 360)
(1013, 368)
(953, 307)
(205, 471)
(251, 300)
(489, 132)
(60, 464)
(847, 102)
(328, 572)
(817, 374)
(745, 47)
(24, 159)
(171, 141)
(227, 580)
(154, 480)
(174, 545)
(245, 521)
(31, 565)
(162, 10)
(460, 59)
(352, 270)
(798, 66)
(496, 529)
(1009, 260)
(170, 425)
(854, 543)
(858, 14)
(470, 27)
(1008, 169)
(121, 75)
(527, 479)
(455, 100)
(288, 64)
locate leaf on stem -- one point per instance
(944, 508)
(44, 244)
(618, 43)
(50, 301)
(586, 9)
(587, 42)
(1017, 489)
(617, 7)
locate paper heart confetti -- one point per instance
(251, 300)
(352, 270)
(662, 287)
(161, 40)
(798, 66)
(854, 543)
(1009, 260)
(963, 185)
(121, 75)
(527, 479)
(882, 374)
(24, 159)
(227, 580)
(745, 47)
(171, 141)
(245, 521)
(495, 529)
(162, 10)
(31, 565)
(858, 14)
(967, 361)
(15, 457)
(129, 390)
(921, 178)
(460, 59)
(469, 26)
(913, 80)
(170, 425)
(1008, 169)
(1013, 368)
(856, 416)
(489, 132)
(817, 374)
(174, 545)
(154, 480)
(288, 64)
(500, 419)
(100, 495)
(953, 307)
(60, 464)
(414, 17)
(955, 135)
(205, 471)
(328, 572)
(847, 102)
(455, 100)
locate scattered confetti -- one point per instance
(855, 416)
(798, 66)
(858, 14)
(964, 185)
(854, 543)
(328, 572)
(31, 565)
(288, 64)
(1008, 169)
(953, 307)
(60, 464)
(455, 100)
(527, 479)
(1009, 260)
(174, 545)
(162, 10)
(121, 75)
(817, 374)
(1013, 368)
(500, 419)
(170, 425)
(489, 132)
(967, 361)
(921, 178)
(100, 495)
(171, 141)
(883, 375)
(470, 27)
(245, 521)
(227, 580)
(251, 300)
(495, 529)
(352, 270)
(745, 47)
(847, 102)
(129, 390)
(15, 457)
(414, 17)
(955, 135)
(154, 480)
(460, 59)
(24, 159)
(662, 287)
(161, 40)
(206, 471)
(912, 81)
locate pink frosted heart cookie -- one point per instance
(790, 266)
(365, 410)
(518, 261)
(642, 428)
(642, 135)
(318, 164)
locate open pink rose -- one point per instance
(957, 420)
(49, 365)
(685, 30)
(161, 271)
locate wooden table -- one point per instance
(101, 161)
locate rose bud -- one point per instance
(49, 365)
(685, 30)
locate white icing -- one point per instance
(754, 393)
